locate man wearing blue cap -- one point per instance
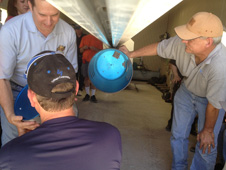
(62, 141)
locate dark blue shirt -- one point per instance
(67, 143)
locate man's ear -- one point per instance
(209, 42)
(32, 97)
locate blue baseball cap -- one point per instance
(47, 70)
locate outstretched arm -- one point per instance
(149, 50)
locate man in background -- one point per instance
(80, 78)
(89, 46)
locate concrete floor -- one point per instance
(141, 115)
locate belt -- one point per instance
(15, 86)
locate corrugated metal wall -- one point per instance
(177, 16)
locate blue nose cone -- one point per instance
(22, 106)
(110, 70)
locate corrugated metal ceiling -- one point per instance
(114, 21)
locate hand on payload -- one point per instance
(125, 50)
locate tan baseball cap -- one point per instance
(201, 24)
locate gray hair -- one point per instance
(216, 40)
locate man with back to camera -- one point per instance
(62, 141)
(201, 59)
(20, 38)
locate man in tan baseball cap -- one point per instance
(202, 24)
(201, 59)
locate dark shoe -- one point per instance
(192, 149)
(168, 128)
(86, 98)
(93, 99)
(219, 166)
(193, 132)
(79, 93)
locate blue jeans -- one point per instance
(186, 107)
(9, 131)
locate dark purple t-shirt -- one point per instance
(67, 143)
